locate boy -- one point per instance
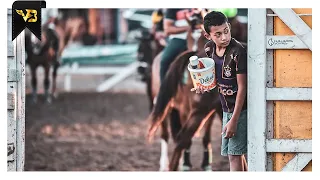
(231, 67)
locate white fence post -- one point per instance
(257, 160)
(15, 99)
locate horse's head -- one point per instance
(144, 56)
(144, 48)
(37, 47)
(195, 20)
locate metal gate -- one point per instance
(15, 99)
(263, 95)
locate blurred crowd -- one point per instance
(113, 26)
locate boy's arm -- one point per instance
(241, 95)
(241, 70)
(168, 23)
(170, 28)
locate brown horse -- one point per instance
(50, 52)
(188, 112)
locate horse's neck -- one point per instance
(200, 42)
(190, 41)
(200, 53)
(156, 48)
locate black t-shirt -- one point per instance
(227, 69)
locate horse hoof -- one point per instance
(207, 168)
(55, 95)
(164, 169)
(34, 100)
(49, 100)
(185, 168)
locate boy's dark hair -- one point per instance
(213, 18)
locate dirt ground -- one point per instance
(88, 131)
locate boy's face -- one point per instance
(221, 35)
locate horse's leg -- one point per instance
(175, 123)
(164, 161)
(149, 91)
(54, 79)
(179, 162)
(207, 148)
(33, 68)
(175, 159)
(186, 163)
(56, 62)
(184, 138)
(47, 83)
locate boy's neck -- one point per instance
(220, 50)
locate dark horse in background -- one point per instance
(149, 47)
(151, 43)
(186, 111)
(46, 56)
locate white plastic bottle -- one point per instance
(194, 61)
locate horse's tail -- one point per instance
(169, 88)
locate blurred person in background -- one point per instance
(175, 27)
(157, 26)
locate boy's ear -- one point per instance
(207, 35)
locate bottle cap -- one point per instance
(194, 60)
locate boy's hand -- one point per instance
(199, 89)
(230, 129)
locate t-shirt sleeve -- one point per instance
(241, 62)
(208, 49)
(171, 14)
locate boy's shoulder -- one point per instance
(238, 46)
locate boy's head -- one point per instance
(217, 28)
